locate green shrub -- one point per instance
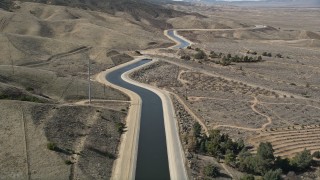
(68, 162)
(51, 146)
(29, 89)
(185, 57)
(247, 177)
(110, 155)
(273, 175)
(302, 160)
(120, 126)
(200, 55)
(211, 171)
(316, 154)
(196, 129)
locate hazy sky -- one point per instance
(239, 0)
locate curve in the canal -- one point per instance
(182, 42)
(152, 160)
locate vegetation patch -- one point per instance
(120, 127)
(234, 153)
(52, 146)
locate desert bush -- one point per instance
(266, 54)
(302, 160)
(68, 162)
(138, 52)
(29, 89)
(185, 57)
(225, 61)
(213, 54)
(230, 158)
(196, 129)
(316, 154)
(211, 171)
(273, 175)
(200, 55)
(51, 146)
(247, 177)
(120, 127)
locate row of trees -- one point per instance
(237, 155)
(224, 59)
(267, 54)
(227, 60)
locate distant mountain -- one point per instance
(269, 3)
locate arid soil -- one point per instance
(237, 106)
(45, 51)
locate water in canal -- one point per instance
(152, 160)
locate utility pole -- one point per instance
(89, 72)
(186, 94)
(89, 80)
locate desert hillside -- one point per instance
(50, 130)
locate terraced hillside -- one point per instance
(287, 142)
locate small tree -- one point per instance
(200, 55)
(185, 57)
(316, 154)
(247, 177)
(265, 151)
(230, 157)
(120, 127)
(196, 129)
(211, 171)
(302, 160)
(273, 175)
(52, 146)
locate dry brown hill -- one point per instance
(154, 14)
